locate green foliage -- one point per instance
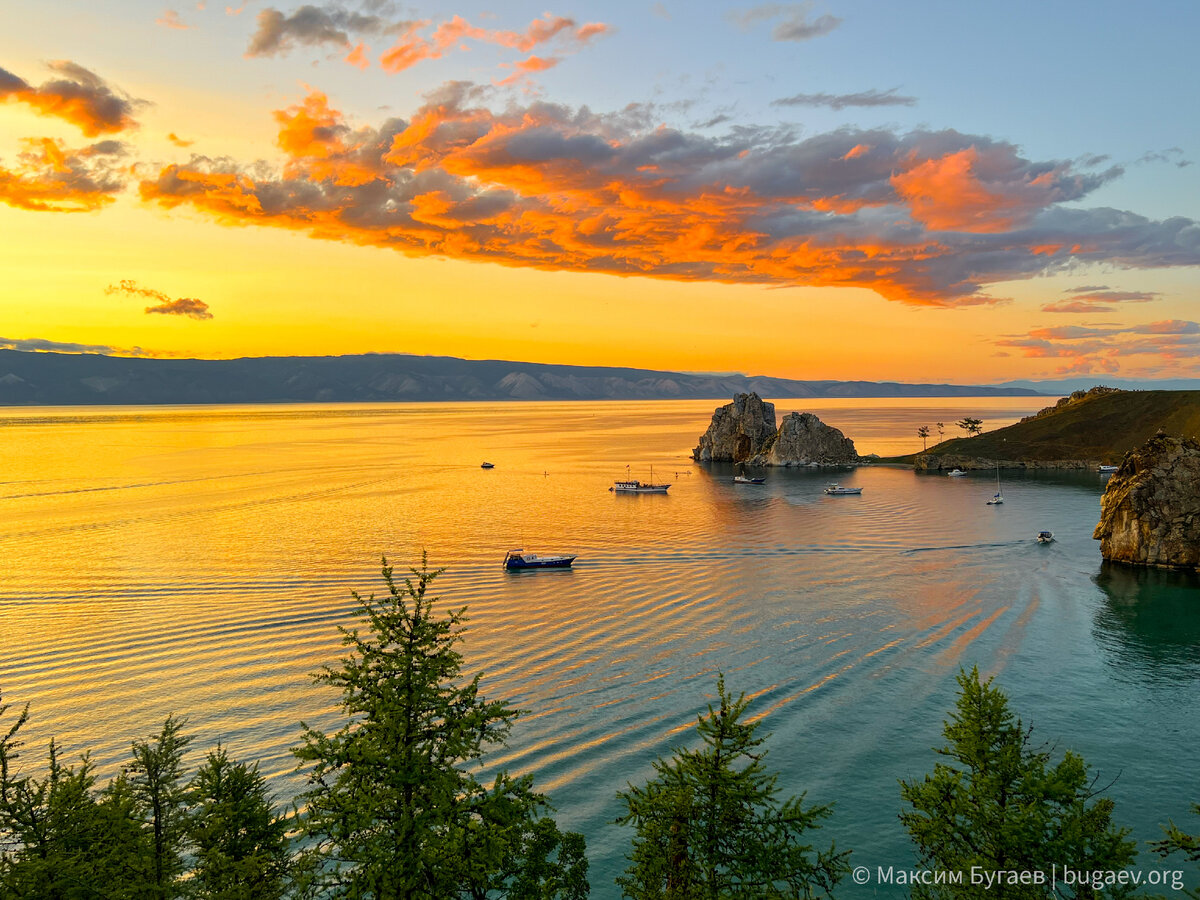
(970, 426)
(998, 804)
(239, 843)
(711, 824)
(158, 786)
(392, 810)
(1179, 841)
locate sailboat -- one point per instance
(997, 498)
(633, 486)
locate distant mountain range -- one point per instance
(54, 379)
(1064, 386)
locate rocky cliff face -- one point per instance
(1150, 512)
(744, 432)
(803, 440)
(738, 432)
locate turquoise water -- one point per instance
(197, 561)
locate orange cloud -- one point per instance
(526, 66)
(555, 188)
(358, 57)
(184, 306)
(80, 97)
(170, 19)
(51, 177)
(178, 141)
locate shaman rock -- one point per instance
(738, 432)
(805, 440)
(1150, 511)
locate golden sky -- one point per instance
(604, 186)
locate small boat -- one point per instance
(633, 486)
(955, 473)
(835, 490)
(1045, 537)
(997, 498)
(1107, 470)
(743, 479)
(487, 465)
(519, 559)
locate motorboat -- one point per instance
(1107, 470)
(745, 479)
(836, 490)
(955, 473)
(519, 559)
(1045, 537)
(487, 465)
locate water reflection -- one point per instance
(1150, 621)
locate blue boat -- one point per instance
(519, 559)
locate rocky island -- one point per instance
(744, 432)
(1150, 511)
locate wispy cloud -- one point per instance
(51, 177)
(841, 101)
(1097, 299)
(1109, 348)
(184, 306)
(79, 96)
(42, 345)
(278, 33)
(927, 217)
(178, 141)
(795, 24)
(170, 19)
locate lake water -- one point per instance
(197, 560)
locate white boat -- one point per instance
(1107, 470)
(743, 479)
(1045, 537)
(633, 486)
(836, 490)
(955, 473)
(997, 498)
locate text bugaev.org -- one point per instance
(977, 876)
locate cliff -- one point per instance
(1079, 432)
(744, 432)
(1150, 511)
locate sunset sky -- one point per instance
(928, 191)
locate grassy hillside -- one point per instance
(1099, 426)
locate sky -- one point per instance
(922, 192)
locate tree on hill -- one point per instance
(941, 430)
(391, 810)
(158, 787)
(923, 434)
(998, 804)
(711, 824)
(970, 426)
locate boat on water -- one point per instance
(836, 490)
(745, 479)
(1045, 537)
(955, 473)
(1107, 470)
(633, 486)
(519, 559)
(997, 498)
(487, 465)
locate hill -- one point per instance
(54, 379)
(1082, 430)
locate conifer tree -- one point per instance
(239, 842)
(158, 787)
(998, 805)
(393, 809)
(711, 825)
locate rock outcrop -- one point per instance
(1150, 511)
(744, 432)
(739, 431)
(805, 440)
(944, 462)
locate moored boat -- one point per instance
(836, 490)
(519, 559)
(1107, 470)
(744, 479)
(955, 473)
(1045, 537)
(633, 486)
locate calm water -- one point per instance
(197, 560)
